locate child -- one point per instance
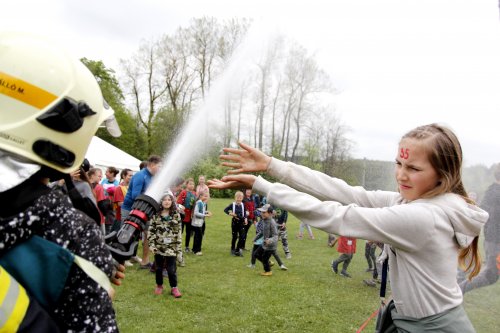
(165, 241)
(346, 247)
(377, 269)
(306, 226)
(238, 222)
(187, 199)
(202, 187)
(200, 212)
(370, 248)
(429, 224)
(258, 243)
(269, 235)
(281, 217)
(250, 208)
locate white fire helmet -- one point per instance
(50, 103)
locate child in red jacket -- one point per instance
(346, 248)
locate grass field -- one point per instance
(221, 294)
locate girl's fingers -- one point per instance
(234, 171)
(231, 151)
(229, 157)
(231, 165)
(245, 146)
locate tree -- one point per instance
(204, 33)
(166, 78)
(304, 79)
(145, 83)
(132, 138)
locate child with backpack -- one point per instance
(187, 199)
(199, 213)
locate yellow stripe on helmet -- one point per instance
(25, 92)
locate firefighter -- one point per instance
(50, 108)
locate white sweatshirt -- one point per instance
(424, 234)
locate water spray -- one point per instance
(123, 244)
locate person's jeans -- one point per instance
(188, 227)
(198, 238)
(238, 233)
(264, 256)
(171, 266)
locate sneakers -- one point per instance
(159, 290)
(334, 267)
(175, 292)
(198, 254)
(288, 255)
(370, 283)
(345, 274)
(299, 236)
(136, 259)
(283, 268)
(266, 273)
(128, 263)
(187, 250)
(251, 266)
(146, 266)
(237, 253)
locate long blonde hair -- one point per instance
(445, 155)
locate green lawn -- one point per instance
(220, 294)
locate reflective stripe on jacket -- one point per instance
(13, 303)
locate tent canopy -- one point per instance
(102, 154)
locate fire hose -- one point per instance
(123, 244)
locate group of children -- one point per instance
(270, 226)
(184, 212)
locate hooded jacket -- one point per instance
(424, 235)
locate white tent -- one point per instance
(102, 154)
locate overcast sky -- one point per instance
(398, 63)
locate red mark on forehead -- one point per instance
(404, 153)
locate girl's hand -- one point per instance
(248, 159)
(233, 181)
